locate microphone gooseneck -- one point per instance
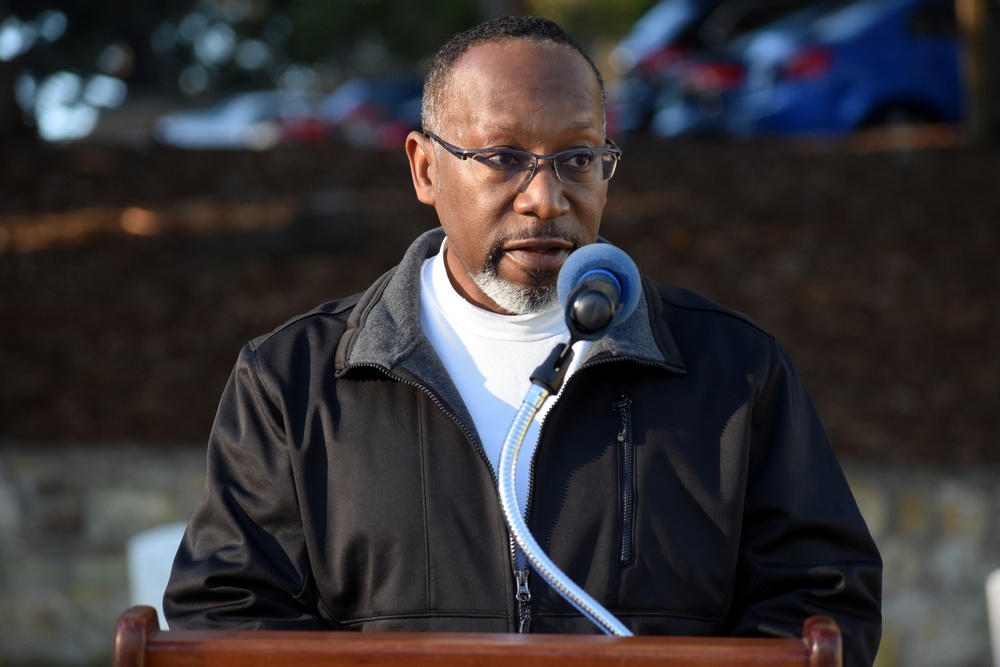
(599, 286)
(576, 596)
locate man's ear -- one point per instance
(420, 152)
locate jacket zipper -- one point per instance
(519, 563)
(523, 595)
(627, 482)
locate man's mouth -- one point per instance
(539, 254)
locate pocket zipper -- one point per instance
(626, 453)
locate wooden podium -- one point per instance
(139, 642)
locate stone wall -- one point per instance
(67, 512)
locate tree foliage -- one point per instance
(71, 58)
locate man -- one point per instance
(681, 477)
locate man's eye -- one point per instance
(581, 160)
(503, 160)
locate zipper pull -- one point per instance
(621, 406)
(523, 596)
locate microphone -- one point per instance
(599, 285)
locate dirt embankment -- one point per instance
(129, 279)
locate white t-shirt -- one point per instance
(490, 358)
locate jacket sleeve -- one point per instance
(805, 546)
(243, 563)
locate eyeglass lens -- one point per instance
(578, 166)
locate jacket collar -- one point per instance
(385, 330)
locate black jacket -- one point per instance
(683, 478)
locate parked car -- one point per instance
(844, 66)
(666, 34)
(253, 120)
(705, 86)
(870, 62)
(376, 112)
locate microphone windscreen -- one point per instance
(609, 258)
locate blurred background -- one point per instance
(178, 177)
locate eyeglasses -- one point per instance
(576, 166)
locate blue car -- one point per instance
(856, 64)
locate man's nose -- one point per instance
(543, 195)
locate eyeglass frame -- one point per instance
(467, 153)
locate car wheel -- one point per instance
(899, 116)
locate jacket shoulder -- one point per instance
(330, 318)
(680, 303)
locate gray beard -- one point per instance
(536, 298)
(515, 300)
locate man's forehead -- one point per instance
(535, 72)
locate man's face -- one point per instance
(524, 95)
